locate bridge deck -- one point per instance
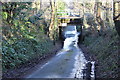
(69, 17)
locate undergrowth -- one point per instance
(105, 48)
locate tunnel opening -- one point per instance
(77, 22)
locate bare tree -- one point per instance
(53, 10)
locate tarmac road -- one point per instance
(68, 63)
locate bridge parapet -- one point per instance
(70, 20)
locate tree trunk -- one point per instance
(117, 17)
(51, 27)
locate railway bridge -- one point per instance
(64, 21)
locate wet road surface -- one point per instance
(68, 63)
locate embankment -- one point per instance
(104, 49)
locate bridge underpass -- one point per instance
(65, 21)
(70, 61)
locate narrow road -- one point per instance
(68, 63)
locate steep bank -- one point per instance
(25, 40)
(104, 50)
(24, 54)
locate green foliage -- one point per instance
(23, 35)
(4, 15)
(24, 50)
(61, 7)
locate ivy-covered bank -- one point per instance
(24, 34)
(21, 51)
